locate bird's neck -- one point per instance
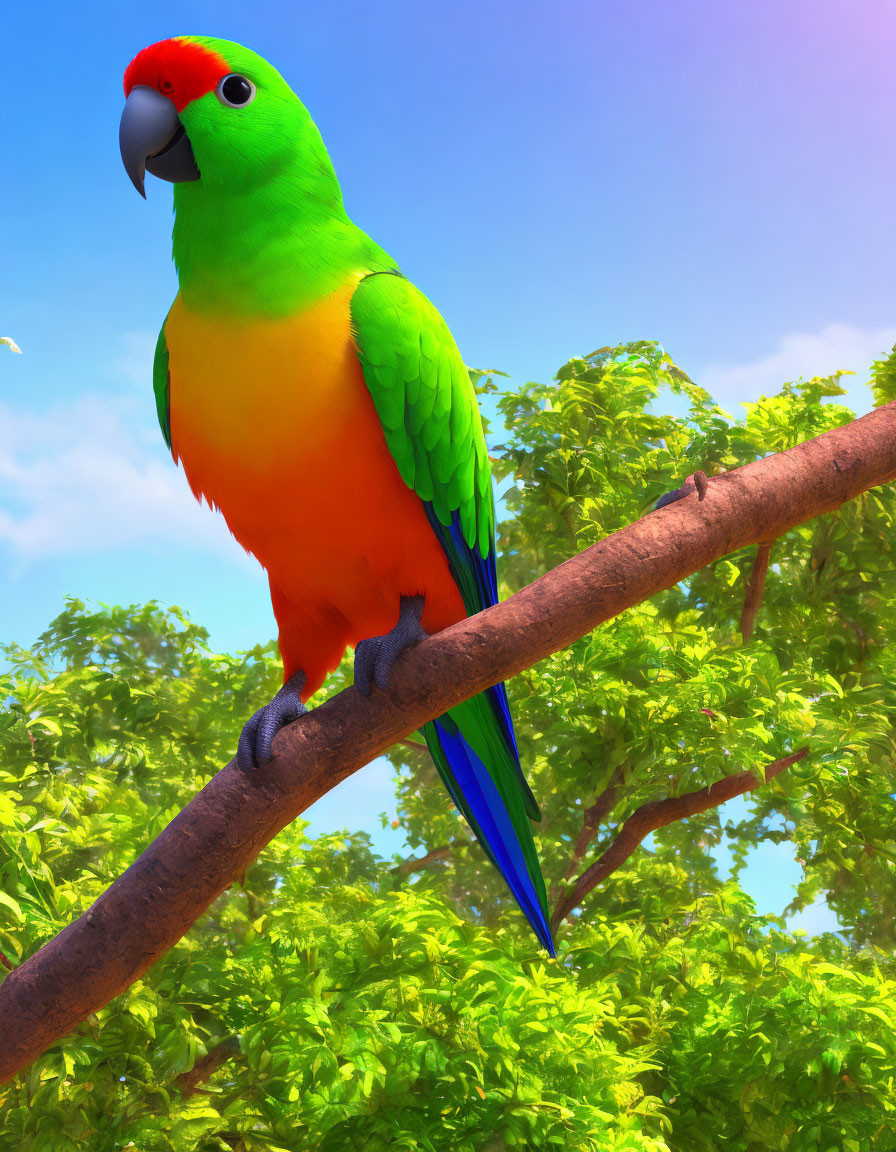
(267, 251)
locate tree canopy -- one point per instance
(333, 999)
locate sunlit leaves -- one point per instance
(366, 1018)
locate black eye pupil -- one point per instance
(236, 90)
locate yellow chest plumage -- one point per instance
(260, 389)
(274, 424)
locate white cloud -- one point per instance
(805, 354)
(88, 477)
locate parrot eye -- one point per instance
(235, 91)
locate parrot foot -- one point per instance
(374, 657)
(698, 481)
(258, 733)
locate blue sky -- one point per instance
(555, 176)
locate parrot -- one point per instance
(317, 399)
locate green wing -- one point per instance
(161, 385)
(427, 406)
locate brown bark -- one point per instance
(755, 588)
(227, 824)
(657, 814)
(417, 863)
(206, 1067)
(591, 821)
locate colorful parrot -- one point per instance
(318, 399)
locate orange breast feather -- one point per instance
(274, 425)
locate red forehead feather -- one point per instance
(180, 69)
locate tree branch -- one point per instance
(206, 1067)
(657, 814)
(591, 821)
(154, 903)
(418, 863)
(755, 588)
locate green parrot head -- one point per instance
(260, 225)
(212, 112)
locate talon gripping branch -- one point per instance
(317, 398)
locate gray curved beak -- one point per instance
(152, 139)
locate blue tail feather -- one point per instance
(491, 821)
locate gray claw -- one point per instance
(374, 657)
(258, 733)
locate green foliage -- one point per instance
(376, 1008)
(883, 379)
(764, 1043)
(367, 1019)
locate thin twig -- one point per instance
(419, 863)
(591, 821)
(755, 588)
(206, 1067)
(859, 631)
(657, 814)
